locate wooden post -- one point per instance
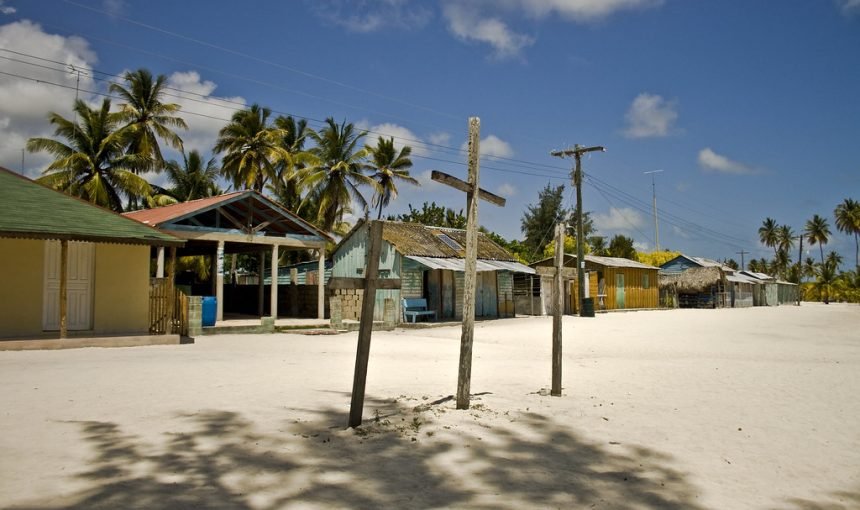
(159, 262)
(274, 288)
(321, 286)
(171, 289)
(219, 282)
(366, 324)
(558, 304)
(473, 194)
(64, 288)
(464, 378)
(260, 282)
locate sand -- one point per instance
(749, 408)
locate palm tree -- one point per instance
(848, 221)
(285, 185)
(818, 231)
(335, 172)
(92, 163)
(767, 233)
(147, 117)
(809, 266)
(192, 178)
(833, 259)
(785, 238)
(252, 147)
(391, 167)
(826, 277)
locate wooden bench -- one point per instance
(414, 308)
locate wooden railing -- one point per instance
(168, 314)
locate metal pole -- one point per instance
(654, 198)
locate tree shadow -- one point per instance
(839, 500)
(411, 454)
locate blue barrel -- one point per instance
(209, 308)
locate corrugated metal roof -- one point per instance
(30, 210)
(247, 205)
(617, 262)
(164, 214)
(570, 260)
(459, 265)
(739, 278)
(757, 276)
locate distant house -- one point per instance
(614, 283)
(706, 287)
(70, 268)
(430, 263)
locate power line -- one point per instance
(238, 105)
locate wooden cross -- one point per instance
(370, 283)
(464, 378)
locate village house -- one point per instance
(614, 283)
(430, 263)
(245, 222)
(73, 274)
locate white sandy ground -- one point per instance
(724, 409)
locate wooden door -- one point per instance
(448, 296)
(619, 290)
(487, 295)
(79, 287)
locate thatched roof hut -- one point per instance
(700, 279)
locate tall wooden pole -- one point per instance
(558, 304)
(580, 249)
(321, 285)
(366, 325)
(261, 261)
(464, 379)
(799, 269)
(171, 290)
(64, 288)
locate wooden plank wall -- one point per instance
(635, 296)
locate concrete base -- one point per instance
(105, 341)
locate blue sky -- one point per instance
(750, 108)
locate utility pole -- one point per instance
(799, 267)
(577, 151)
(654, 196)
(742, 253)
(74, 70)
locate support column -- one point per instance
(171, 290)
(219, 282)
(64, 286)
(261, 262)
(321, 286)
(159, 265)
(274, 289)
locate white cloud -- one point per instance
(492, 145)
(24, 103)
(710, 161)
(212, 112)
(5, 9)
(506, 190)
(579, 10)
(678, 231)
(372, 15)
(641, 246)
(649, 116)
(440, 138)
(622, 219)
(848, 7)
(467, 23)
(402, 136)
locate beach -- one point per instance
(727, 408)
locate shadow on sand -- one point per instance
(407, 457)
